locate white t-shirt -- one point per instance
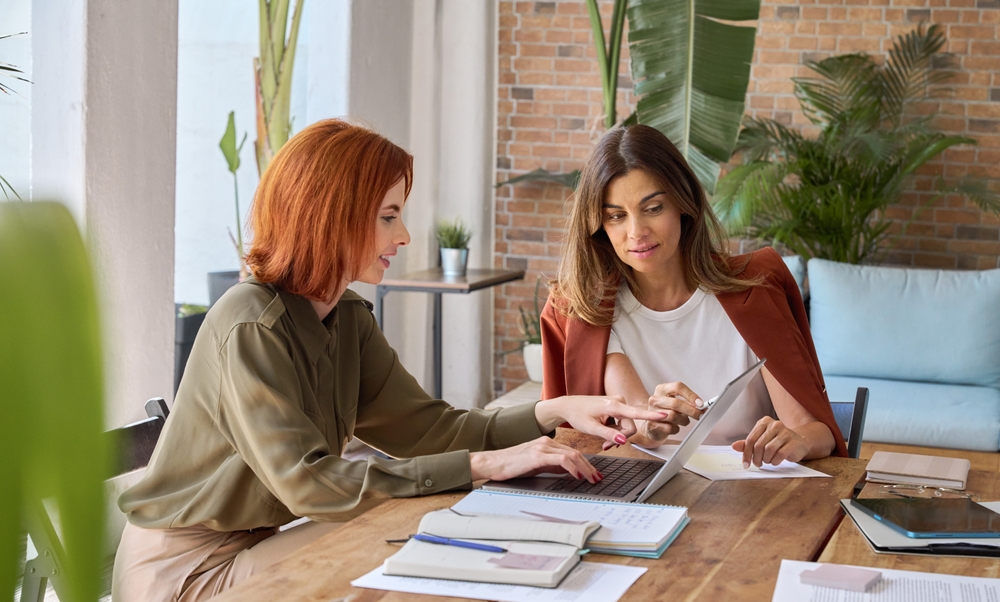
(698, 345)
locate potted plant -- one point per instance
(220, 282)
(826, 196)
(453, 238)
(530, 324)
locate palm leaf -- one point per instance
(908, 75)
(569, 180)
(691, 74)
(51, 438)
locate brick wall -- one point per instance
(549, 115)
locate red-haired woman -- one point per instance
(289, 366)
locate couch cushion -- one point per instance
(910, 413)
(906, 324)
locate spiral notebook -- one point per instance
(643, 530)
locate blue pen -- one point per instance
(457, 543)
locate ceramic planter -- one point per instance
(454, 261)
(185, 331)
(533, 361)
(219, 283)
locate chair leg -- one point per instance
(36, 579)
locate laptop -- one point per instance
(631, 479)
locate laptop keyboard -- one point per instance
(621, 475)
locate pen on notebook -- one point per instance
(457, 543)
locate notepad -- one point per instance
(644, 530)
(538, 553)
(916, 469)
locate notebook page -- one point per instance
(620, 523)
(446, 523)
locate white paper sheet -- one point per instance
(723, 463)
(588, 582)
(895, 586)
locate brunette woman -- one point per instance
(648, 305)
(289, 366)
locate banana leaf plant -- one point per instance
(231, 151)
(690, 72)
(13, 72)
(51, 393)
(826, 196)
(273, 76)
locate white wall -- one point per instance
(217, 44)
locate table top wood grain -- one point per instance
(738, 535)
(849, 546)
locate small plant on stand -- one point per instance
(453, 238)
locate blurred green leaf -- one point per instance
(51, 417)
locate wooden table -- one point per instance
(434, 281)
(738, 535)
(849, 546)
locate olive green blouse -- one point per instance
(270, 396)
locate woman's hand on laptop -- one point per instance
(609, 418)
(531, 458)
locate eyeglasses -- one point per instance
(921, 491)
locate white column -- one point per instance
(424, 74)
(467, 100)
(103, 131)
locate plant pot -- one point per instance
(219, 283)
(185, 331)
(454, 261)
(533, 361)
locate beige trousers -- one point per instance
(191, 564)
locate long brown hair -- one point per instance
(590, 270)
(314, 212)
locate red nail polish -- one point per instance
(620, 439)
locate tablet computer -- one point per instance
(933, 518)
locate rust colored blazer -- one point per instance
(771, 319)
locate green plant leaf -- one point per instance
(691, 74)
(228, 144)
(453, 235)
(826, 197)
(569, 180)
(51, 418)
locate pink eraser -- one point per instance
(840, 576)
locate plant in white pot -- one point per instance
(530, 324)
(453, 238)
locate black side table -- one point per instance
(435, 282)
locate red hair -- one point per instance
(313, 215)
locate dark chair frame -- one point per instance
(854, 430)
(134, 444)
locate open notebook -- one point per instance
(536, 552)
